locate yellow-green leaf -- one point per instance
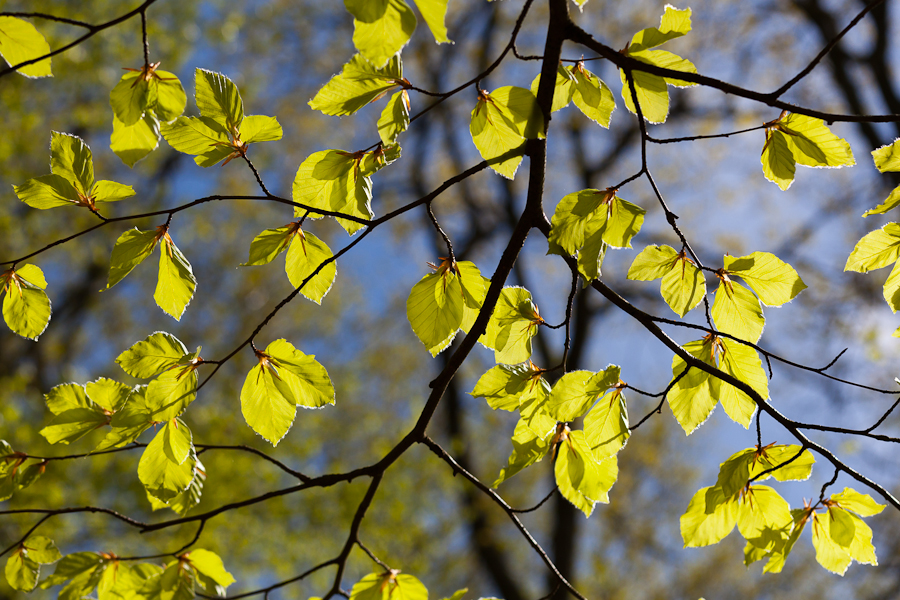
(774, 281)
(176, 283)
(359, 83)
(694, 396)
(737, 311)
(501, 121)
(131, 143)
(26, 307)
(875, 250)
(743, 363)
(20, 41)
(380, 27)
(435, 13)
(709, 518)
(305, 254)
(394, 118)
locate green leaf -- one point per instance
(736, 311)
(284, 379)
(82, 409)
(26, 307)
(591, 255)
(799, 468)
(694, 396)
(176, 283)
(841, 526)
(575, 392)
(169, 394)
(359, 83)
(795, 138)
(131, 143)
(170, 97)
(150, 357)
(528, 448)
(203, 137)
(501, 121)
(829, 553)
(435, 13)
(131, 97)
(773, 280)
(513, 323)
(875, 250)
(259, 128)
(163, 477)
(892, 201)
(592, 97)
(209, 565)
(110, 191)
(506, 387)
(71, 566)
(474, 288)
(709, 518)
(130, 250)
(186, 500)
(606, 425)
(587, 213)
(71, 158)
(887, 158)
(777, 160)
(47, 191)
(20, 41)
(861, 504)
(332, 180)
(580, 479)
(269, 244)
(381, 28)
(24, 564)
(435, 306)
(305, 254)
(673, 24)
(390, 585)
(743, 363)
(394, 118)
(133, 419)
(761, 511)
(458, 594)
(563, 89)
(73, 425)
(683, 285)
(218, 99)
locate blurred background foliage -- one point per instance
(279, 52)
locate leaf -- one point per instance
(795, 138)
(829, 553)
(381, 28)
(773, 280)
(861, 504)
(24, 564)
(434, 308)
(331, 180)
(892, 201)
(20, 41)
(176, 283)
(72, 566)
(501, 122)
(283, 379)
(580, 215)
(71, 158)
(390, 585)
(304, 256)
(203, 137)
(269, 244)
(683, 285)
(73, 425)
(505, 387)
(528, 448)
(581, 480)
(171, 392)
(743, 363)
(761, 511)
(606, 425)
(170, 97)
(875, 250)
(163, 477)
(133, 419)
(652, 95)
(26, 307)
(563, 88)
(47, 191)
(394, 118)
(209, 565)
(694, 396)
(887, 158)
(575, 392)
(435, 14)
(736, 311)
(218, 99)
(673, 24)
(152, 356)
(259, 128)
(186, 500)
(513, 323)
(592, 97)
(709, 518)
(131, 143)
(359, 83)
(131, 96)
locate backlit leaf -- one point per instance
(176, 283)
(501, 121)
(26, 307)
(773, 280)
(20, 41)
(359, 83)
(736, 311)
(380, 27)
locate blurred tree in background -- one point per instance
(422, 515)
